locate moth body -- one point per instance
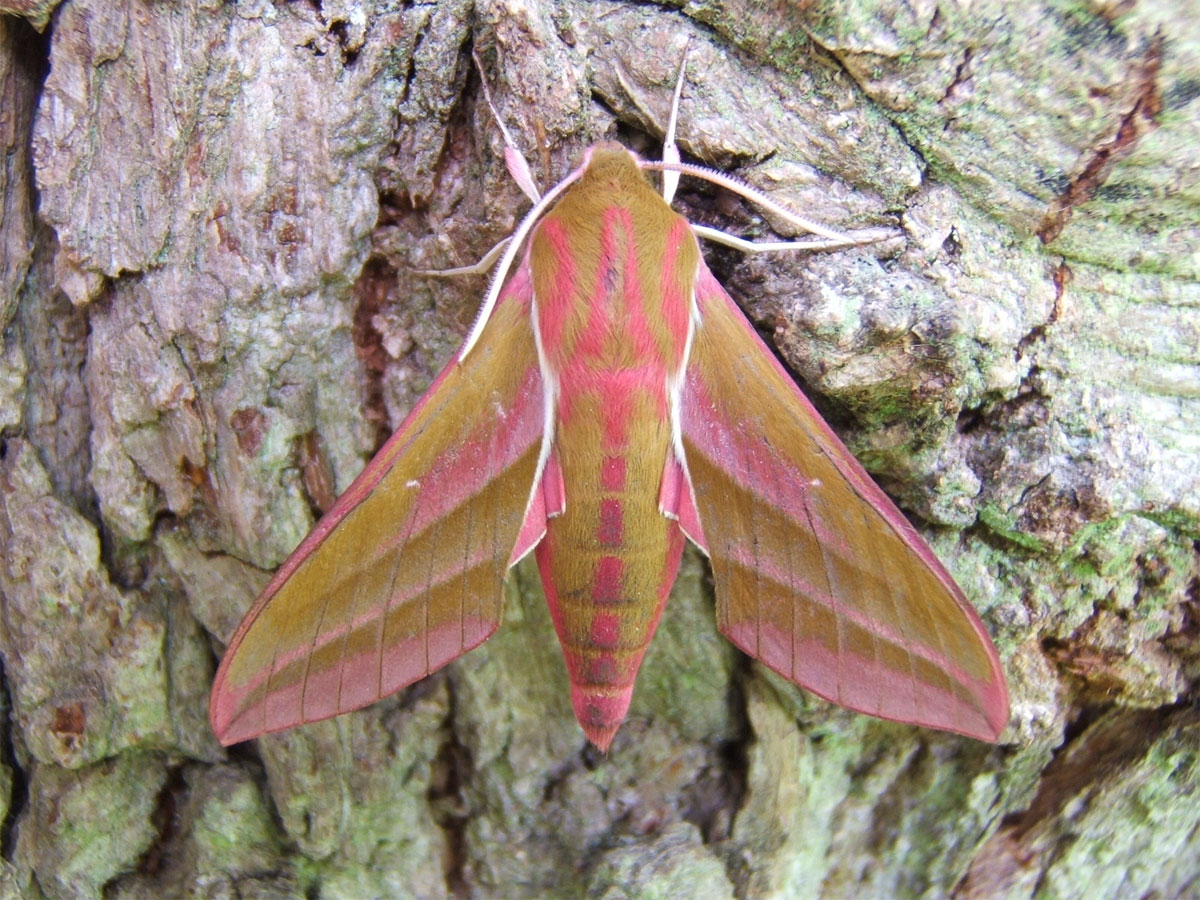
(614, 322)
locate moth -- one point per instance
(610, 403)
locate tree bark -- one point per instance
(211, 224)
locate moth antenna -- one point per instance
(670, 179)
(754, 196)
(514, 161)
(510, 253)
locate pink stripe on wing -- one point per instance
(709, 293)
(518, 290)
(458, 476)
(872, 687)
(356, 683)
(469, 630)
(768, 568)
(752, 465)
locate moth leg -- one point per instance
(745, 246)
(480, 268)
(514, 161)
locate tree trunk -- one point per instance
(212, 219)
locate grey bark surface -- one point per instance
(210, 222)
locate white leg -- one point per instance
(517, 167)
(480, 268)
(745, 246)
